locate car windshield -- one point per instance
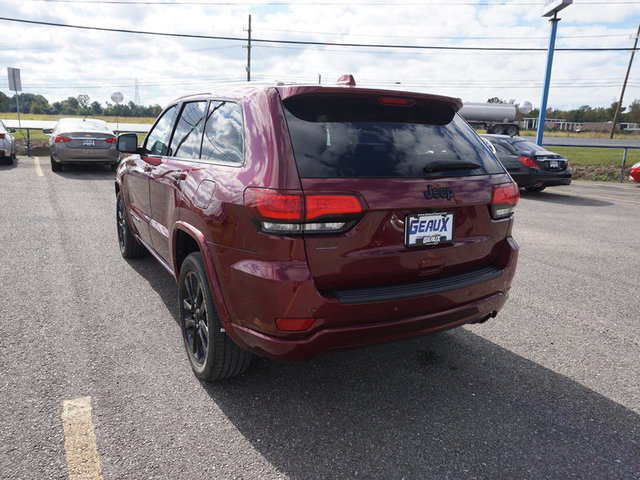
(83, 125)
(342, 137)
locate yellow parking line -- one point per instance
(596, 197)
(37, 167)
(80, 441)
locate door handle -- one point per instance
(179, 175)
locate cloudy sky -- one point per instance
(59, 62)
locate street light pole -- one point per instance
(545, 93)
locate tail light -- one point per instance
(288, 212)
(528, 162)
(1, 135)
(60, 139)
(110, 140)
(504, 199)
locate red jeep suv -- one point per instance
(302, 219)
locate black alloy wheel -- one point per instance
(212, 354)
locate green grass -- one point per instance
(597, 156)
(53, 118)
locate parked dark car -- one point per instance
(531, 166)
(302, 219)
(82, 141)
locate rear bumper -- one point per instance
(542, 178)
(79, 155)
(364, 320)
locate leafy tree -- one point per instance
(495, 100)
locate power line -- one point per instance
(314, 43)
(311, 2)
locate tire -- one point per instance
(129, 245)
(511, 130)
(535, 189)
(55, 166)
(113, 167)
(212, 354)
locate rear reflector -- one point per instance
(528, 162)
(294, 324)
(60, 139)
(504, 199)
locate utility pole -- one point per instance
(249, 51)
(624, 85)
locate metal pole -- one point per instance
(18, 108)
(624, 85)
(545, 93)
(624, 161)
(28, 144)
(249, 52)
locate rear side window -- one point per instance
(356, 136)
(188, 135)
(223, 139)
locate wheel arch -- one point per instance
(187, 240)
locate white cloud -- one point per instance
(60, 62)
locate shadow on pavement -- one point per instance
(451, 405)
(563, 199)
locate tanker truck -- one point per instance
(497, 118)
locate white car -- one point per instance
(7, 145)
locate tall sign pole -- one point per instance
(550, 8)
(15, 84)
(249, 51)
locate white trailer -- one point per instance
(498, 118)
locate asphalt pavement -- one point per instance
(549, 389)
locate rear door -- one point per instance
(425, 177)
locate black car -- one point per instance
(530, 165)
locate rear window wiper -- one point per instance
(441, 166)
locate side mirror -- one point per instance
(127, 143)
(48, 131)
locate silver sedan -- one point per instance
(82, 140)
(7, 145)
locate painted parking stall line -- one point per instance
(36, 166)
(79, 440)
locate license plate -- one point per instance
(428, 229)
(553, 164)
(88, 143)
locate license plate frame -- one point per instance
(434, 232)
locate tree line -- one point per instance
(585, 113)
(80, 105)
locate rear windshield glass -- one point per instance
(525, 146)
(86, 125)
(361, 137)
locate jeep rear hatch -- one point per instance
(423, 179)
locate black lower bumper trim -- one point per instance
(416, 289)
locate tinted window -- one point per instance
(158, 138)
(223, 139)
(502, 148)
(187, 138)
(341, 137)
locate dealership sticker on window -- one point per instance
(428, 229)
